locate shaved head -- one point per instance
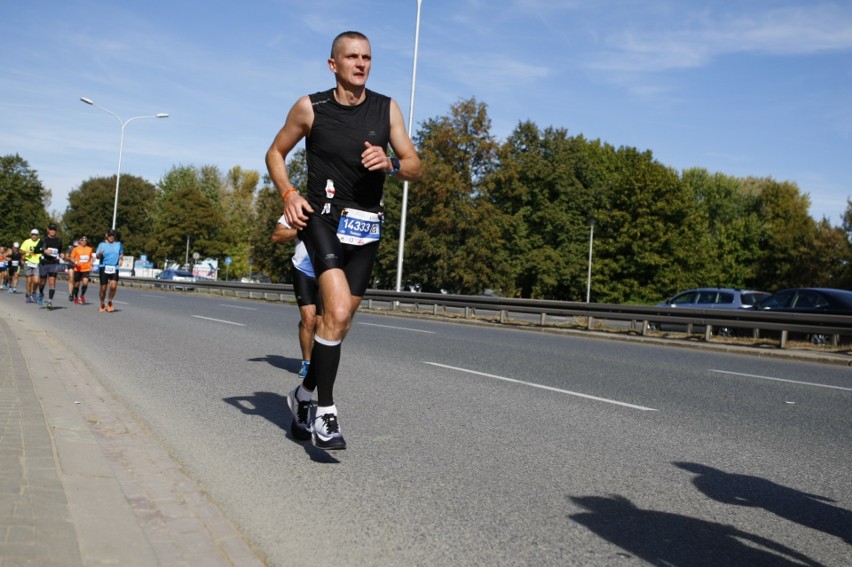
(335, 45)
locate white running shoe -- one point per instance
(327, 432)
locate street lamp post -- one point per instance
(186, 260)
(120, 146)
(405, 183)
(591, 242)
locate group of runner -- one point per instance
(42, 259)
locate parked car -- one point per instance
(716, 298)
(713, 298)
(176, 279)
(815, 300)
(809, 300)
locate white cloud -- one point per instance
(668, 45)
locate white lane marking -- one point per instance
(398, 328)
(570, 393)
(218, 320)
(238, 307)
(782, 380)
(154, 295)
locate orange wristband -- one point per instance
(287, 193)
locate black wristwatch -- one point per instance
(395, 164)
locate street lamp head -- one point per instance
(162, 115)
(87, 100)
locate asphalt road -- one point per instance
(481, 446)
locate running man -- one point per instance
(347, 129)
(81, 258)
(14, 258)
(50, 248)
(307, 291)
(111, 254)
(32, 259)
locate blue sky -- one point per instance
(744, 88)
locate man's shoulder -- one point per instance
(379, 96)
(321, 97)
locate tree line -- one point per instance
(515, 217)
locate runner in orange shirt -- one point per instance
(81, 256)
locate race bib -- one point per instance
(51, 251)
(109, 269)
(15, 263)
(84, 258)
(2, 264)
(359, 227)
(32, 264)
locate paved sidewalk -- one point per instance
(84, 483)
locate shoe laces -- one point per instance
(330, 424)
(302, 409)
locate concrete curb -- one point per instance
(128, 501)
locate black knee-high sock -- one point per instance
(51, 292)
(322, 372)
(83, 291)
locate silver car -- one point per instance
(713, 298)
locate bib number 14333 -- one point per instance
(359, 227)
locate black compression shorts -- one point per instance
(306, 289)
(327, 252)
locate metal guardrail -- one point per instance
(833, 326)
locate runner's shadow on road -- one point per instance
(273, 408)
(281, 362)
(809, 510)
(663, 538)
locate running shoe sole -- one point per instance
(337, 443)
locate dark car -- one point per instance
(809, 300)
(815, 300)
(177, 279)
(713, 298)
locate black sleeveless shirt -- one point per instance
(334, 149)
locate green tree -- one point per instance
(23, 200)
(537, 185)
(186, 213)
(648, 219)
(90, 209)
(727, 229)
(787, 236)
(237, 199)
(828, 262)
(846, 226)
(210, 182)
(457, 238)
